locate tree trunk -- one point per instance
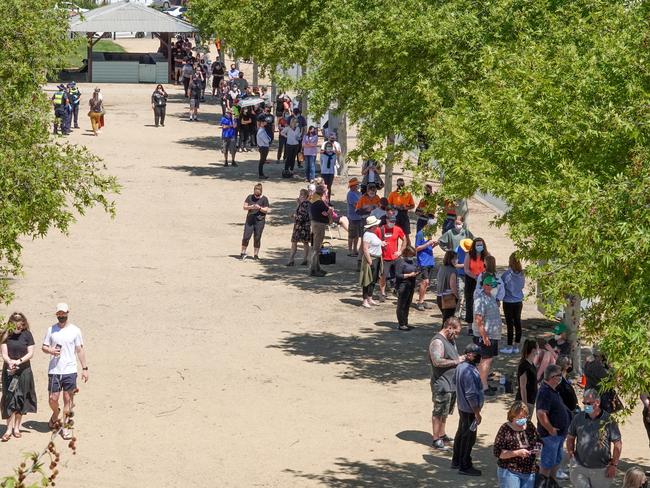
(572, 314)
(255, 73)
(388, 170)
(343, 140)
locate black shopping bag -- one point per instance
(326, 255)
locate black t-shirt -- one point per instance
(563, 349)
(530, 371)
(568, 394)
(262, 201)
(17, 346)
(559, 416)
(217, 69)
(195, 89)
(316, 210)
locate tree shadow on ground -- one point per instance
(247, 169)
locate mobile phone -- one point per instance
(57, 347)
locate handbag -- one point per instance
(448, 301)
(326, 255)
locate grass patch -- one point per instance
(75, 57)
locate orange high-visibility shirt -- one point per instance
(397, 198)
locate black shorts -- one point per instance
(427, 273)
(487, 351)
(58, 382)
(216, 81)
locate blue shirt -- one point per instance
(425, 256)
(353, 198)
(469, 388)
(514, 286)
(460, 254)
(550, 401)
(228, 133)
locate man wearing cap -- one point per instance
(391, 234)
(469, 397)
(63, 342)
(355, 229)
(589, 442)
(228, 137)
(75, 99)
(444, 359)
(402, 201)
(559, 342)
(486, 328)
(424, 244)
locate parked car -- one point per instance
(178, 11)
(164, 4)
(72, 8)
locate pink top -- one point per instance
(310, 145)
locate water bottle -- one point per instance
(473, 426)
(501, 389)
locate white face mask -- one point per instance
(432, 222)
(493, 292)
(459, 227)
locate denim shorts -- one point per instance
(511, 479)
(58, 382)
(552, 451)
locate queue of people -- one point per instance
(63, 343)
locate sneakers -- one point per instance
(506, 350)
(447, 439)
(319, 273)
(243, 256)
(382, 298)
(440, 444)
(428, 305)
(234, 164)
(470, 472)
(515, 350)
(420, 307)
(256, 258)
(489, 392)
(561, 475)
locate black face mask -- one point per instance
(569, 370)
(62, 320)
(476, 360)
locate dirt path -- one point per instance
(207, 371)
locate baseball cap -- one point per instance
(472, 348)
(489, 280)
(392, 218)
(559, 328)
(62, 307)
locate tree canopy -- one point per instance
(544, 104)
(44, 183)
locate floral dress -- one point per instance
(302, 226)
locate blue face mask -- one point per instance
(589, 409)
(479, 248)
(521, 422)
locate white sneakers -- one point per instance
(510, 350)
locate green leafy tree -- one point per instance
(43, 183)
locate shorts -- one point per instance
(443, 403)
(427, 273)
(58, 382)
(229, 146)
(487, 351)
(216, 81)
(551, 451)
(194, 103)
(403, 222)
(389, 270)
(355, 229)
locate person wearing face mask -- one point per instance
(424, 244)
(516, 446)
(395, 241)
(425, 209)
(527, 375)
(257, 207)
(487, 328)
(402, 201)
(355, 229)
(18, 391)
(330, 152)
(406, 271)
(469, 396)
(451, 238)
(565, 388)
(513, 282)
(553, 420)
(64, 343)
(159, 105)
(635, 478)
(473, 266)
(592, 434)
(559, 342)
(368, 201)
(444, 358)
(292, 134)
(491, 269)
(309, 151)
(371, 263)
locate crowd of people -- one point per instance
(63, 343)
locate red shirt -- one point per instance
(392, 237)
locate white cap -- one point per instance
(62, 307)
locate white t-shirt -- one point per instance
(69, 337)
(374, 243)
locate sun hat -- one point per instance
(353, 182)
(489, 280)
(62, 307)
(371, 222)
(466, 244)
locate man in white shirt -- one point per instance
(330, 152)
(64, 343)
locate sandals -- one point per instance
(51, 423)
(404, 327)
(5, 437)
(66, 434)
(17, 434)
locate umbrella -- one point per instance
(249, 101)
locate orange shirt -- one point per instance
(401, 199)
(365, 200)
(476, 266)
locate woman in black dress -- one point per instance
(406, 270)
(18, 392)
(301, 228)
